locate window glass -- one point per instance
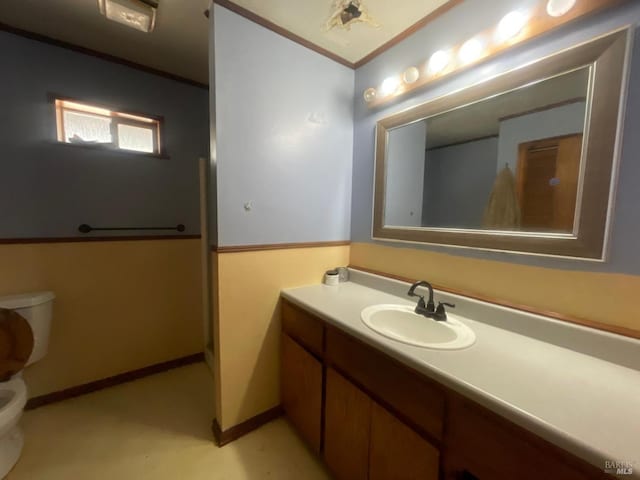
(83, 124)
(131, 137)
(84, 128)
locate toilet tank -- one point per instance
(36, 308)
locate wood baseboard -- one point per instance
(228, 436)
(90, 387)
(277, 246)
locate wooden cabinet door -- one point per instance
(403, 390)
(347, 426)
(301, 390)
(397, 452)
(481, 445)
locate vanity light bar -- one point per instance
(511, 25)
(471, 50)
(514, 28)
(557, 8)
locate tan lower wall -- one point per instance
(119, 305)
(249, 285)
(611, 299)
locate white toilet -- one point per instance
(36, 309)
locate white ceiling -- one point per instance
(308, 19)
(179, 43)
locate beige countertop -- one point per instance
(585, 404)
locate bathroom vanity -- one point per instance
(375, 408)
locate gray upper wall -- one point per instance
(457, 183)
(564, 120)
(284, 125)
(455, 26)
(48, 188)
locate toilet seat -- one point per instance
(16, 343)
(13, 398)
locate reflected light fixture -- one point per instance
(411, 75)
(438, 62)
(389, 86)
(510, 25)
(471, 50)
(138, 14)
(557, 8)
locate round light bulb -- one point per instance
(370, 95)
(389, 86)
(438, 62)
(510, 25)
(557, 8)
(471, 50)
(411, 75)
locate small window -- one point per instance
(83, 124)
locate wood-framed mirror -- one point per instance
(523, 162)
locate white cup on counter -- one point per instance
(332, 278)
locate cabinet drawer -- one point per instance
(301, 390)
(482, 445)
(420, 402)
(303, 327)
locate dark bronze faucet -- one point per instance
(429, 309)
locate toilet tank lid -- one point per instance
(24, 300)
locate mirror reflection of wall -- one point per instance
(405, 172)
(509, 162)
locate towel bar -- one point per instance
(84, 228)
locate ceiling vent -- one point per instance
(138, 14)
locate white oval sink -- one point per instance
(402, 324)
